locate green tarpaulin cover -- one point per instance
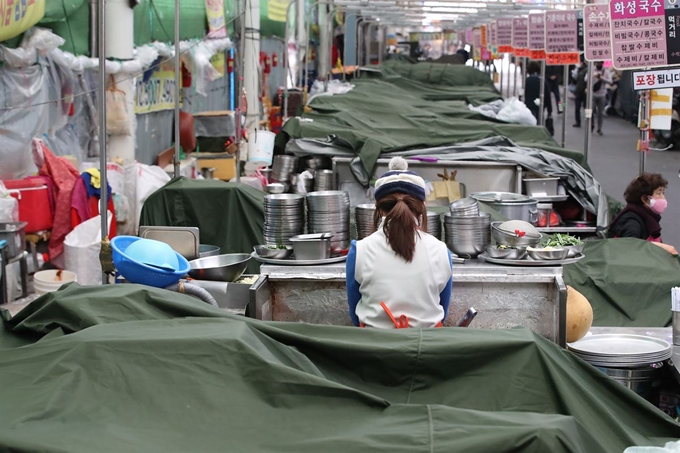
(229, 215)
(627, 281)
(126, 368)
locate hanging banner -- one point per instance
(158, 92)
(468, 36)
(492, 34)
(218, 61)
(477, 44)
(504, 35)
(17, 16)
(483, 36)
(277, 10)
(638, 34)
(216, 24)
(537, 36)
(597, 40)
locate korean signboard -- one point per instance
(157, 93)
(492, 33)
(468, 36)
(652, 80)
(504, 35)
(537, 36)
(562, 37)
(520, 36)
(477, 44)
(639, 33)
(483, 36)
(597, 35)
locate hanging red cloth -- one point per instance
(63, 176)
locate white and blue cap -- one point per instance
(400, 180)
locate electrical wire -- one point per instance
(153, 66)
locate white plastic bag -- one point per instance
(81, 251)
(140, 182)
(514, 111)
(9, 206)
(670, 447)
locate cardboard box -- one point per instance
(223, 163)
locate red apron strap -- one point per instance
(401, 323)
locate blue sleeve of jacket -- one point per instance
(353, 293)
(445, 295)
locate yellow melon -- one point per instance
(579, 315)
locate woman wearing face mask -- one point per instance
(646, 201)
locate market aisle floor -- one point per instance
(615, 162)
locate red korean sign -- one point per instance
(562, 59)
(597, 36)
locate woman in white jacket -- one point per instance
(399, 276)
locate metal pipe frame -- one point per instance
(178, 75)
(309, 38)
(101, 106)
(286, 63)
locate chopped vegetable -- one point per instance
(505, 247)
(562, 240)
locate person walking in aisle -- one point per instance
(552, 78)
(580, 74)
(600, 79)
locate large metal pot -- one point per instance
(512, 205)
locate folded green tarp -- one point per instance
(126, 368)
(406, 108)
(228, 215)
(627, 281)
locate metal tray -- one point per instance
(551, 198)
(294, 262)
(528, 262)
(183, 240)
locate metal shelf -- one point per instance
(583, 230)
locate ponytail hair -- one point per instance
(404, 216)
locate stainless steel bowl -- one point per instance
(205, 250)
(312, 246)
(505, 254)
(548, 255)
(220, 268)
(274, 252)
(503, 237)
(275, 188)
(574, 250)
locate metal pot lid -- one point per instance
(501, 197)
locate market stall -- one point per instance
(503, 296)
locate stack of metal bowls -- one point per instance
(363, 216)
(434, 224)
(465, 207)
(324, 180)
(328, 212)
(284, 217)
(283, 167)
(467, 235)
(295, 178)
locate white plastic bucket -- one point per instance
(46, 281)
(261, 147)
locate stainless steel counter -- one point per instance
(505, 296)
